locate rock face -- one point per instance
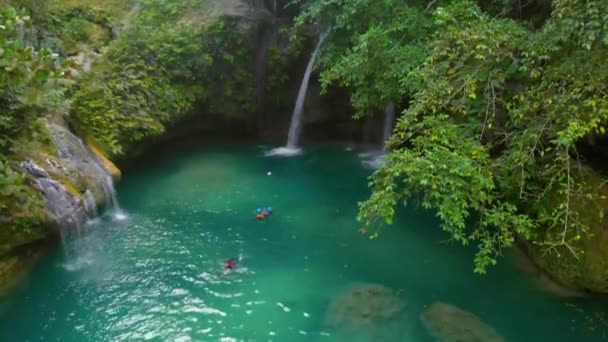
(73, 181)
(588, 271)
(365, 308)
(63, 208)
(448, 323)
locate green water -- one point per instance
(156, 275)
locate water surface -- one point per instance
(157, 275)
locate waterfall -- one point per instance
(389, 118)
(375, 158)
(71, 149)
(90, 206)
(296, 118)
(74, 168)
(63, 208)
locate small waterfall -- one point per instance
(65, 209)
(296, 119)
(72, 149)
(90, 206)
(389, 118)
(375, 158)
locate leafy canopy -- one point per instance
(496, 102)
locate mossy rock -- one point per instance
(107, 163)
(588, 270)
(21, 231)
(449, 323)
(15, 268)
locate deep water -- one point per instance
(157, 275)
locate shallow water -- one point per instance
(157, 275)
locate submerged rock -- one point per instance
(448, 323)
(365, 308)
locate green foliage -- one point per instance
(78, 28)
(27, 78)
(158, 70)
(17, 198)
(499, 99)
(30, 82)
(371, 47)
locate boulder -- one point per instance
(365, 308)
(588, 270)
(448, 323)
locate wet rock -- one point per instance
(448, 323)
(365, 308)
(33, 169)
(72, 183)
(63, 207)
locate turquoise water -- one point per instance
(157, 275)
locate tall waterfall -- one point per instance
(296, 119)
(389, 118)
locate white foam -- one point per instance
(283, 152)
(119, 216)
(79, 263)
(372, 160)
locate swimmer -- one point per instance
(229, 266)
(260, 217)
(363, 231)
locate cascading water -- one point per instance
(71, 149)
(375, 159)
(90, 206)
(389, 118)
(74, 167)
(63, 207)
(296, 119)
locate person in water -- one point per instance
(229, 266)
(261, 214)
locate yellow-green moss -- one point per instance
(107, 163)
(115, 8)
(73, 189)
